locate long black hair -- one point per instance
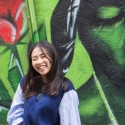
(33, 81)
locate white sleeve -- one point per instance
(68, 109)
(15, 114)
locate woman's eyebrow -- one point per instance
(33, 56)
(40, 54)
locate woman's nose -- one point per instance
(39, 61)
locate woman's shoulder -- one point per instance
(69, 84)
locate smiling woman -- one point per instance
(41, 62)
(44, 96)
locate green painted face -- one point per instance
(113, 36)
(102, 32)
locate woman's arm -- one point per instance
(15, 114)
(68, 109)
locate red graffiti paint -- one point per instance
(11, 20)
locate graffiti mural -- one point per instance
(12, 31)
(90, 39)
(17, 33)
(100, 27)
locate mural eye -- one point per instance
(109, 15)
(108, 12)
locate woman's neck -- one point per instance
(44, 80)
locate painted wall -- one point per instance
(90, 39)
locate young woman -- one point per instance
(44, 96)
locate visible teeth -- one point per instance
(40, 67)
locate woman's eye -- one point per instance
(34, 59)
(43, 56)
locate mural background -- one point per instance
(89, 37)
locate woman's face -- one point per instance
(41, 61)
